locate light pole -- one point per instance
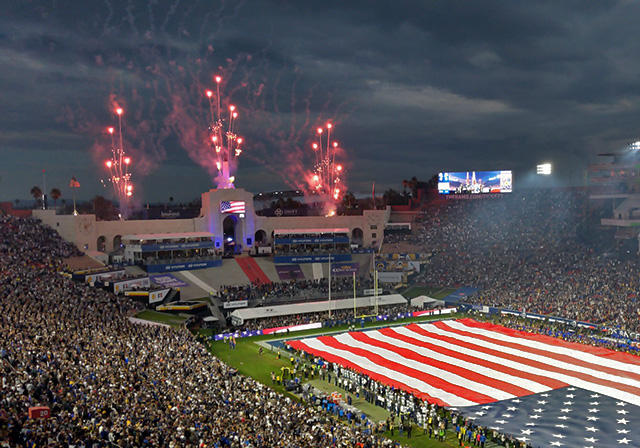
(329, 286)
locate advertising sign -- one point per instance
(235, 304)
(92, 278)
(158, 295)
(344, 269)
(125, 285)
(153, 268)
(310, 258)
(168, 280)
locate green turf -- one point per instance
(248, 361)
(163, 318)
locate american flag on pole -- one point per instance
(469, 364)
(232, 207)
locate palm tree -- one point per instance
(103, 208)
(55, 194)
(36, 192)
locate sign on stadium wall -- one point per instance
(168, 280)
(125, 285)
(235, 304)
(178, 246)
(154, 268)
(390, 277)
(311, 258)
(158, 295)
(344, 269)
(92, 278)
(371, 292)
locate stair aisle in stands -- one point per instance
(252, 270)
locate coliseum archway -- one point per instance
(101, 244)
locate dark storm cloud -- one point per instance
(414, 87)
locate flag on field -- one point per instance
(566, 417)
(74, 183)
(232, 207)
(466, 363)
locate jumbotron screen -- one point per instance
(475, 182)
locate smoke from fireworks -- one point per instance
(118, 167)
(163, 75)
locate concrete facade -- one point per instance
(88, 233)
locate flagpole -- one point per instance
(375, 288)
(373, 194)
(73, 185)
(354, 295)
(329, 286)
(44, 191)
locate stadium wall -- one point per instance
(85, 230)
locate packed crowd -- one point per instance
(338, 317)
(295, 290)
(523, 252)
(109, 382)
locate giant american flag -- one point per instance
(485, 369)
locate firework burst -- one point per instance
(224, 140)
(118, 167)
(327, 176)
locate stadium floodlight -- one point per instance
(634, 146)
(544, 169)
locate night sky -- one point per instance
(412, 88)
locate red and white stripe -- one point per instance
(464, 363)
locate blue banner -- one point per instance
(177, 246)
(311, 258)
(312, 240)
(461, 294)
(168, 280)
(344, 269)
(361, 250)
(153, 268)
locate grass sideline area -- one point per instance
(162, 318)
(247, 359)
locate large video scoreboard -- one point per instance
(475, 182)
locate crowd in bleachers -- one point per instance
(523, 252)
(109, 382)
(295, 290)
(338, 317)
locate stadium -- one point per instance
(492, 318)
(221, 273)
